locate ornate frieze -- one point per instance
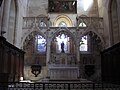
(88, 21)
(30, 22)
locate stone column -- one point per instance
(78, 57)
(48, 57)
(5, 17)
(48, 52)
(78, 50)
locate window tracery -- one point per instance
(42, 24)
(82, 24)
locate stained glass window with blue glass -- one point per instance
(41, 43)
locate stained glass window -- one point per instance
(41, 43)
(62, 39)
(84, 44)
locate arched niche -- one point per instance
(42, 20)
(62, 37)
(63, 21)
(91, 58)
(90, 39)
(35, 47)
(82, 22)
(63, 55)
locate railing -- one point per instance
(57, 86)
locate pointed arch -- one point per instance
(28, 33)
(97, 34)
(32, 35)
(63, 35)
(94, 31)
(63, 29)
(82, 22)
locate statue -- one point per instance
(62, 47)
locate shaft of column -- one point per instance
(78, 54)
(78, 51)
(48, 53)
(5, 17)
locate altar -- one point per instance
(63, 66)
(62, 72)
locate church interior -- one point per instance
(60, 41)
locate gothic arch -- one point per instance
(66, 30)
(63, 35)
(28, 33)
(33, 33)
(94, 31)
(33, 54)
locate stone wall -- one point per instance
(35, 8)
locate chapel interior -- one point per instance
(68, 40)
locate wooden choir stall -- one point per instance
(11, 62)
